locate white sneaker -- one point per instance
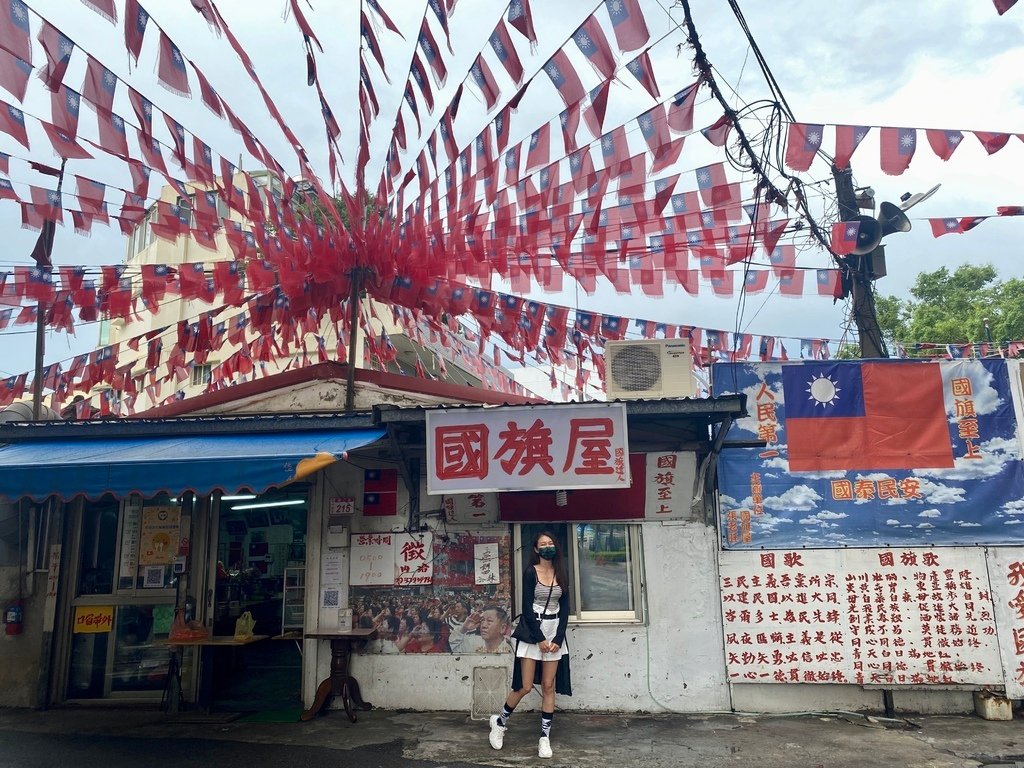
(544, 747)
(497, 737)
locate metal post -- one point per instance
(353, 335)
(43, 256)
(871, 342)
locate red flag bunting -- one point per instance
(897, 149)
(944, 143)
(593, 44)
(848, 138)
(564, 78)
(135, 21)
(628, 24)
(519, 16)
(802, 145)
(58, 49)
(171, 72)
(104, 8)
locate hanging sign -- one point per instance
(527, 448)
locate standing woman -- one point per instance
(545, 611)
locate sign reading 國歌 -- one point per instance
(860, 616)
(886, 452)
(527, 448)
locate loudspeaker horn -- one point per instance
(892, 219)
(868, 236)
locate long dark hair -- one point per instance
(561, 572)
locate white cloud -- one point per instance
(995, 454)
(940, 493)
(967, 524)
(930, 513)
(798, 498)
(1013, 522)
(892, 521)
(925, 525)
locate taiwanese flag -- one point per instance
(680, 110)
(150, 148)
(91, 195)
(865, 416)
(64, 145)
(501, 42)
(593, 44)
(802, 145)
(15, 32)
(380, 492)
(628, 23)
(429, 47)
(366, 30)
(202, 161)
(171, 72)
(519, 17)
(484, 79)
(615, 151)
(944, 143)
(442, 18)
(830, 283)
(569, 119)
(848, 138)
(642, 69)
(992, 142)
(718, 132)
(791, 282)
(12, 122)
(502, 123)
(714, 187)
(942, 227)
(540, 148)
(783, 260)
(65, 105)
(655, 130)
(419, 74)
(7, 191)
(135, 20)
(58, 49)
(564, 78)
(104, 8)
(207, 94)
(512, 165)
(593, 114)
(844, 237)
(1002, 6)
(14, 73)
(100, 85)
(143, 110)
(898, 147)
(755, 281)
(613, 328)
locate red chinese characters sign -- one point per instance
(527, 448)
(859, 616)
(1006, 572)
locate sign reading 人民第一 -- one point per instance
(889, 616)
(527, 448)
(872, 453)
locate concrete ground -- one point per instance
(450, 738)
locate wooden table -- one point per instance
(340, 683)
(204, 697)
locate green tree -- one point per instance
(952, 308)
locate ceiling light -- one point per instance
(268, 504)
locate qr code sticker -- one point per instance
(332, 598)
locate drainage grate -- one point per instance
(490, 689)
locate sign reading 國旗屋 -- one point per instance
(873, 453)
(527, 448)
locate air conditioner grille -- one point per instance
(636, 368)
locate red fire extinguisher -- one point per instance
(14, 617)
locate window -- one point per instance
(603, 564)
(186, 205)
(201, 374)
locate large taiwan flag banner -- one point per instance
(843, 416)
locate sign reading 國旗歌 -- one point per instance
(526, 448)
(872, 453)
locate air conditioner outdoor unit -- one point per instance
(648, 369)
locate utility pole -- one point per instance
(43, 255)
(861, 272)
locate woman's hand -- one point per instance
(548, 647)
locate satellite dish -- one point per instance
(913, 200)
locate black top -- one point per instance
(530, 581)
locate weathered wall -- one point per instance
(19, 654)
(673, 663)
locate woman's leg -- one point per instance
(547, 685)
(528, 668)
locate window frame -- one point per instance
(577, 615)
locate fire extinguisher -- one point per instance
(14, 617)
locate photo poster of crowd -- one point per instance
(466, 608)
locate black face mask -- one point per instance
(547, 553)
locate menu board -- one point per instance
(860, 616)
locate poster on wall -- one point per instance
(158, 540)
(879, 453)
(579, 445)
(372, 561)
(1006, 575)
(463, 609)
(860, 616)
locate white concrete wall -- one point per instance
(673, 663)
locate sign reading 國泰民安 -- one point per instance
(526, 448)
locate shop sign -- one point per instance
(93, 618)
(526, 448)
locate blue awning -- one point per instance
(170, 464)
